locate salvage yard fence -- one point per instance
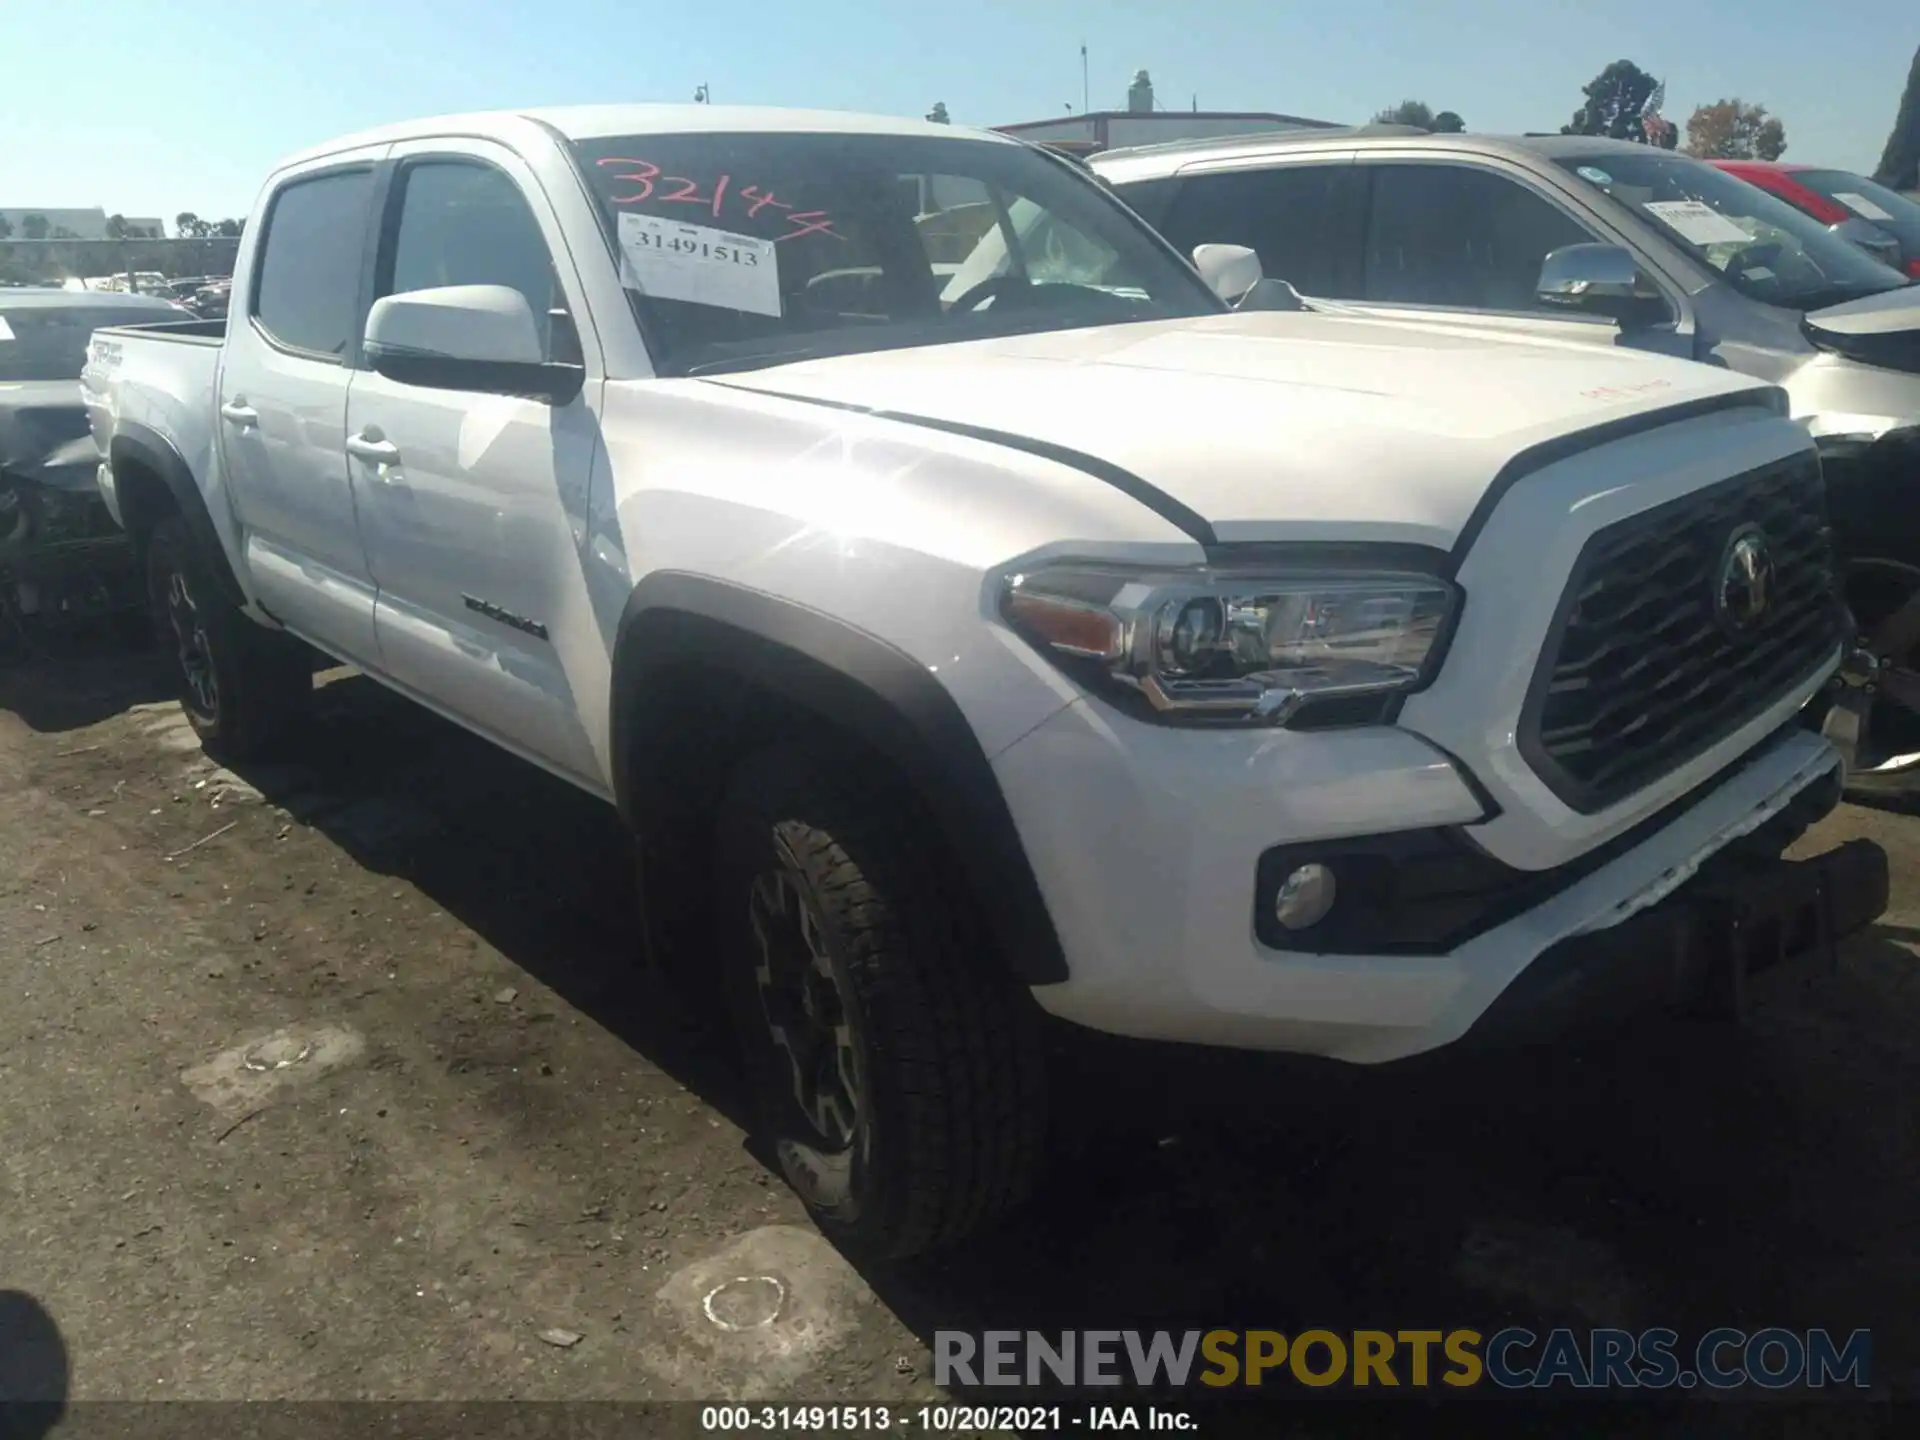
(55, 262)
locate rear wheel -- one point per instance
(244, 688)
(896, 1073)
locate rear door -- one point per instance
(292, 342)
(467, 499)
(1303, 217)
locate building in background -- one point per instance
(1141, 123)
(71, 224)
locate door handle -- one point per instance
(237, 412)
(371, 448)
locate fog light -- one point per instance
(1304, 897)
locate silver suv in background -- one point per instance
(1602, 242)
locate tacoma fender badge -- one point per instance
(505, 617)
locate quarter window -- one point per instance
(1458, 237)
(307, 297)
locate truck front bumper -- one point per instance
(1148, 846)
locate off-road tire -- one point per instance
(262, 680)
(952, 1121)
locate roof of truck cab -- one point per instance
(1143, 162)
(587, 122)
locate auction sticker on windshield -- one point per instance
(670, 260)
(1697, 222)
(1861, 206)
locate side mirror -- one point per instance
(1229, 270)
(481, 338)
(1599, 280)
(1271, 294)
(1870, 238)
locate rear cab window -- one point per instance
(306, 288)
(739, 249)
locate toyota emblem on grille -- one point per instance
(1743, 587)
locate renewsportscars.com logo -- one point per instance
(1459, 1359)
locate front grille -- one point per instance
(1642, 672)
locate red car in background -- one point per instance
(1841, 198)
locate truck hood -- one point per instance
(1882, 330)
(44, 436)
(1265, 424)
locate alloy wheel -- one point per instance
(192, 645)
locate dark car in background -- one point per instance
(1601, 242)
(60, 552)
(1883, 222)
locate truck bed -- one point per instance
(189, 332)
(155, 384)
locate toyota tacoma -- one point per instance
(1018, 634)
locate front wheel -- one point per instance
(244, 688)
(896, 1072)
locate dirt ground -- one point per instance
(341, 1080)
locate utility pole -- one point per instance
(701, 96)
(1086, 106)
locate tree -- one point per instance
(1734, 130)
(1448, 122)
(1899, 166)
(1407, 112)
(938, 114)
(117, 228)
(191, 226)
(6, 227)
(228, 229)
(34, 227)
(1616, 104)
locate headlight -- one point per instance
(1268, 646)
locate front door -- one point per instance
(1460, 245)
(467, 500)
(292, 340)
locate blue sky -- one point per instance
(150, 107)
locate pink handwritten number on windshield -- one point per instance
(683, 191)
(644, 176)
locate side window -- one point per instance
(463, 223)
(1454, 236)
(1293, 216)
(308, 292)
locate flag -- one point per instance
(1655, 99)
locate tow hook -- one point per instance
(1853, 686)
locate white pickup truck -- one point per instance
(1029, 632)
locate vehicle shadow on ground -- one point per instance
(75, 680)
(35, 1369)
(1679, 1175)
(539, 870)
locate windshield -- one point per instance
(50, 342)
(1765, 248)
(744, 249)
(1889, 209)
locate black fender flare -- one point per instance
(133, 445)
(864, 686)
